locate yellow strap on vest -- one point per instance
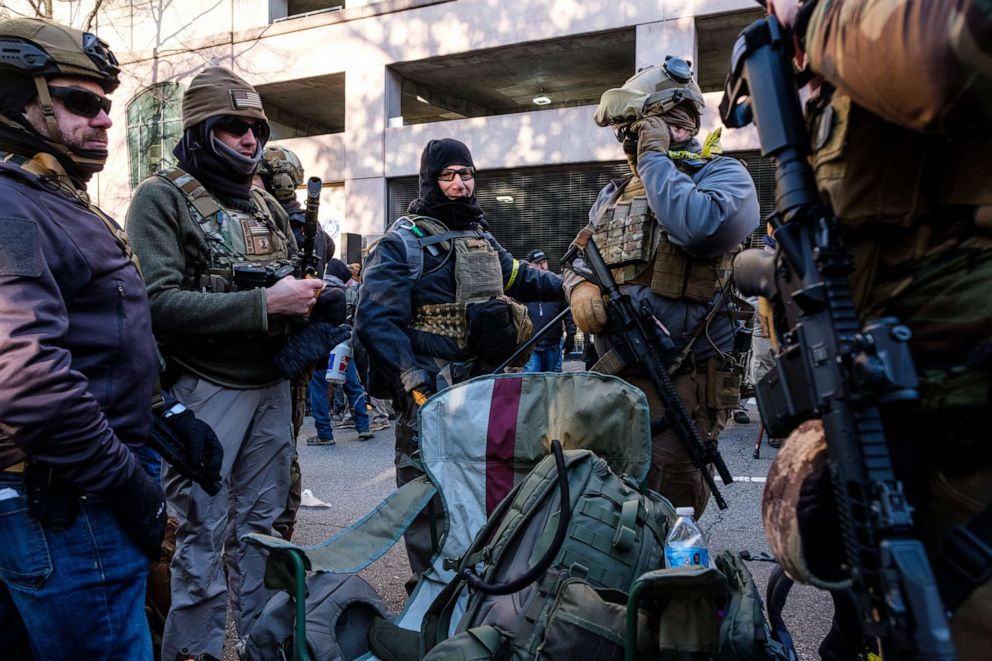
(513, 276)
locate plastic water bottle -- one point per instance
(685, 545)
(337, 362)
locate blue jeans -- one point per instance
(77, 593)
(547, 359)
(320, 407)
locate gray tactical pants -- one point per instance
(254, 427)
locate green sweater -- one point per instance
(222, 337)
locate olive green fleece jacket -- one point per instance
(222, 337)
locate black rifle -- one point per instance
(309, 261)
(637, 338)
(830, 367)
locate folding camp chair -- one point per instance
(477, 440)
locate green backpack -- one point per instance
(547, 590)
(613, 533)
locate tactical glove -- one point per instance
(330, 307)
(652, 135)
(190, 446)
(492, 334)
(140, 508)
(800, 514)
(588, 309)
(308, 345)
(569, 345)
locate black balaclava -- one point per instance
(15, 93)
(456, 214)
(223, 171)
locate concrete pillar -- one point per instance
(673, 37)
(366, 114)
(394, 98)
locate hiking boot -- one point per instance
(343, 423)
(365, 435)
(741, 417)
(379, 425)
(317, 440)
(776, 442)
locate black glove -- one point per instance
(491, 333)
(140, 508)
(190, 446)
(308, 345)
(569, 345)
(331, 306)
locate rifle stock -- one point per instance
(830, 366)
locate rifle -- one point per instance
(830, 367)
(637, 337)
(309, 261)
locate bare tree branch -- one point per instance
(91, 17)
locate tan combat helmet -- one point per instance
(281, 171)
(651, 91)
(39, 49)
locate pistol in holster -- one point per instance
(52, 500)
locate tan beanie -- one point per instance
(217, 91)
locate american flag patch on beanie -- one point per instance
(241, 99)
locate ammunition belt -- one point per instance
(447, 319)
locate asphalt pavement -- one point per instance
(353, 476)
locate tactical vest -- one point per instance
(870, 170)
(234, 238)
(898, 193)
(478, 275)
(639, 251)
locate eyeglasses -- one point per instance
(449, 175)
(80, 101)
(238, 126)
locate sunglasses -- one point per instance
(238, 126)
(81, 102)
(449, 175)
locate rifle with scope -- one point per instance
(829, 365)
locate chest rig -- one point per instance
(639, 251)
(238, 242)
(478, 275)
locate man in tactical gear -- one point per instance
(216, 254)
(80, 517)
(917, 223)
(434, 308)
(692, 208)
(282, 174)
(547, 353)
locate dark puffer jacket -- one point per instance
(77, 359)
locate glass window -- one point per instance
(154, 126)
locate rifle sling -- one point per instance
(964, 560)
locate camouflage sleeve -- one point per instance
(912, 63)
